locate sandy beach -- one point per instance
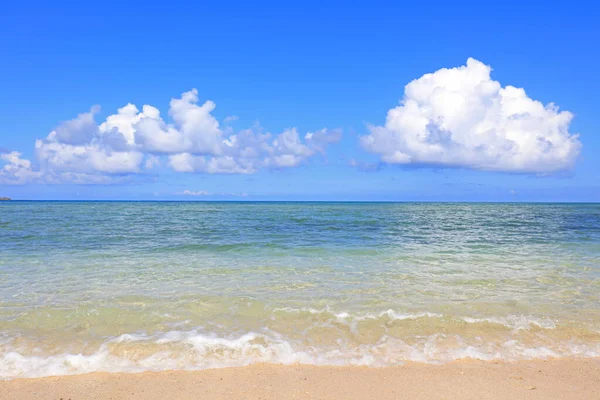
(552, 379)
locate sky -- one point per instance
(362, 101)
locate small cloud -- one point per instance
(205, 193)
(193, 193)
(513, 192)
(231, 119)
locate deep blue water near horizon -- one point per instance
(151, 285)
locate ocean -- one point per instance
(147, 286)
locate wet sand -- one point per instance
(552, 379)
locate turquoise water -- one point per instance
(134, 286)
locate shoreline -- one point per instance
(465, 379)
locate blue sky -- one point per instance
(274, 66)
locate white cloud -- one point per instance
(132, 141)
(80, 130)
(80, 146)
(248, 151)
(460, 117)
(19, 171)
(320, 139)
(186, 162)
(195, 142)
(16, 170)
(193, 193)
(194, 130)
(91, 158)
(125, 119)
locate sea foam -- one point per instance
(198, 349)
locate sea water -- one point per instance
(146, 286)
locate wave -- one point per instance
(305, 335)
(195, 349)
(514, 322)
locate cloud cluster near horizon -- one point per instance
(133, 141)
(456, 117)
(460, 117)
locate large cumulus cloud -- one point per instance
(460, 117)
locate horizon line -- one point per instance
(298, 201)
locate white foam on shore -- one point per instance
(194, 350)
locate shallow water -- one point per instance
(132, 286)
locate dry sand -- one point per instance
(553, 379)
